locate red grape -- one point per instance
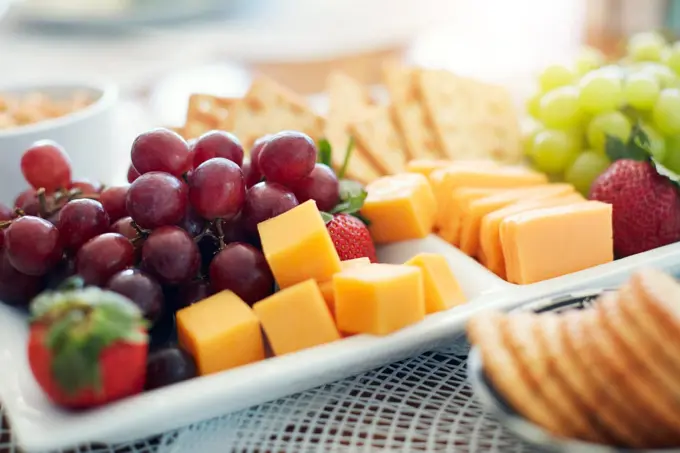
(16, 288)
(160, 150)
(192, 223)
(81, 220)
(217, 144)
(168, 366)
(141, 289)
(46, 165)
(33, 245)
(6, 213)
(171, 255)
(2, 239)
(113, 199)
(264, 201)
(124, 227)
(234, 230)
(242, 269)
(86, 187)
(132, 174)
(321, 185)
(255, 154)
(24, 197)
(192, 292)
(287, 157)
(102, 256)
(156, 199)
(217, 189)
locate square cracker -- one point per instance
(471, 119)
(347, 100)
(206, 113)
(377, 136)
(409, 114)
(268, 108)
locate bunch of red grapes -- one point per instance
(185, 227)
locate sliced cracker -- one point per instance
(268, 108)
(206, 113)
(408, 112)
(471, 119)
(347, 100)
(505, 373)
(378, 138)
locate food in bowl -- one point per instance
(20, 109)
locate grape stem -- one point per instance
(141, 234)
(42, 202)
(220, 233)
(5, 224)
(204, 232)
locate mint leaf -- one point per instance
(348, 154)
(616, 149)
(325, 152)
(326, 217)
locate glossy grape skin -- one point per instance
(320, 185)
(192, 292)
(81, 220)
(264, 201)
(641, 90)
(16, 288)
(555, 76)
(217, 189)
(647, 46)
(614, 124)
(33, 245)
(217, 144)
(132, 174)
(46, 165)
(124, 227)
(242, 269)
(141, 289)
(103, 256)
(24, 197)
(192, 223)
(533, 105)
(666, 112)
(253, 174)
(169, 366)
(6, 213)
(560, 108)
(114, 199)
(171, 255)
(588, 59)
(600, 91)
(160, 150)
(157, 199)
(554, 150)
(585, 169)
(86, 187)
(287, 157)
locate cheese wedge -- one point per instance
(473, 211)
(451, 229)
(551, 242)
(490, 252)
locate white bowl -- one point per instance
(87, 135)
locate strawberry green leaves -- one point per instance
(352, 197)
(637, 147)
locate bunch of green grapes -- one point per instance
(578, 106)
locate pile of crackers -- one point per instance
(607, 374)
(431, 114)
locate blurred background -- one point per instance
(160, 51)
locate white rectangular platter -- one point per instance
(38, 425)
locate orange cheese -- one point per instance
(327, 286)
(378, 298)
(296, 318)
(399, 207)
(490, 248)
(445, 180)
(550, 242)
(220, 332)
(450, 231)
(473, 211)
(297, 246)
(426, 166)
(442, 290)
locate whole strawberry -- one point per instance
(87, 347)
(646, 206)
(351, 237)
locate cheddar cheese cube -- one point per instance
(490, 248)
(296, 318)
(327, 286)
(550, 242)
(399, 207)
(220, 332)
(442, 290)
(473, 211)
(378, 298)
(297, 246)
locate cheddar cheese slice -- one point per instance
(473, 211)
(450, 231)
(426, 166)
(490, 248)
(551, 242)
(442, 290)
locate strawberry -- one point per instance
(87, 346)
(351, 237)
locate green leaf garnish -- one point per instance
(665, 171)
(345, 161)
(325, 152)
(352, 196)
(326, 217)
(616, 149)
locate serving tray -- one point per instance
(38, 425)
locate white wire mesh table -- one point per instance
(420, 404)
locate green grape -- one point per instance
(560, 108)
(554, 150)
(585, 169)
(529, 130)
(613, 123)
(648, 46)
(672, 159)
(601, 91)
(666, 112)
(657, 143)
(587, 60)
(672, 57)
(533, 105)
(641, 90)
(555, 76)
(667, 78)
